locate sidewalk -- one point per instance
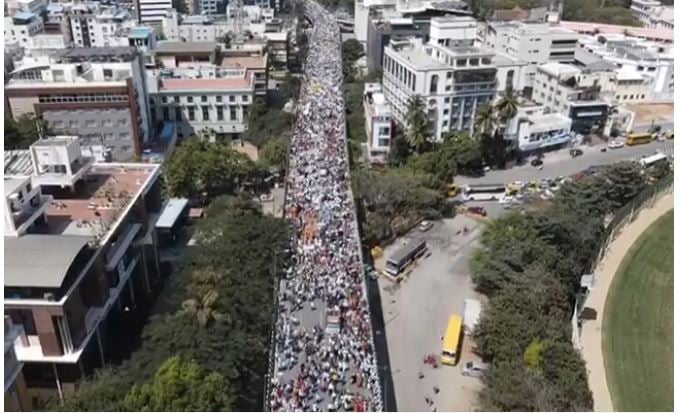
(591, 331)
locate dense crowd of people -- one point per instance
(324, 354)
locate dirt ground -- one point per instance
(591, 332)
(658, 112)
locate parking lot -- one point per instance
(416, 313)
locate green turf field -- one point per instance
(638, 324)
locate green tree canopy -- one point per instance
(417, 133)
(274, 153)
(22, 132)
(198, 169)
(181, 387)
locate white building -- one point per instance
(378, 123)
(652, 61)
(152, 11)
(533, 43)
(93, 25)
(653, 14)
(453, 82)
(21, 27)
(203, 99)
(543, 131)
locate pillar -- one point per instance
(56, 378)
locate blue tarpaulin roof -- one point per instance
(168, 132)
(140, 33)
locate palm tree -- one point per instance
(416, 120)
(485, 121)
(202, 306)
(506, 109)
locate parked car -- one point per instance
(536, 162)
(266, 198)
(616, 144)
(425, 226)
(575, 152)
(475, 369)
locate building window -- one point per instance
(384, 131)
(204, 98)
(192, 116)
(232, 113)
(244, 98)
(232, 98)
(206, 115)
(178, 113)
(433, 83)
(190, 99)
(218, 98)
(220, 113)
(166, 114)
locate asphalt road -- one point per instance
(560, 163)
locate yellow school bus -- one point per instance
(452, 340)
(638, 138)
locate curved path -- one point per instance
(591, 332)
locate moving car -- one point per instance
(474, 369)
(575, 152)
(425, 226)
(616, 144)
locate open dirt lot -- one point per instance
(659, 112)
(416, 314)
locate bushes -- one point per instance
(530, 264)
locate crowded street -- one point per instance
(324, 352)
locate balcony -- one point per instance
(30, 212)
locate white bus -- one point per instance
(490, 192)
(648, 161)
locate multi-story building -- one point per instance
(533, 43)
(212, 6)
(381, 32)
(453, 81)
(420, 11)
(16, 394)
(653, 14)
(21, 27)
(655, 35)
(378, 123)
(13, 7)
(99, 94)
(98, 26)
(652, 61)
(582, 94)
(152, 11)
(78, 271)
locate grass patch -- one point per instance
(638, 324)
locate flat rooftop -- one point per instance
(105, 191)
(170, 47)
(244, 62)
(419, 59)
(205, 84)
(126, 53)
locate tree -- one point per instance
(533, 355)
(181, 386)
(22, 132)
(274, 153)
(203, 170)
(417, 127)
(484, 128)
(265, 123)
(202, 307)
(624, 181)
(463, 151)
(352, 50)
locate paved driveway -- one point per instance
(416, 314)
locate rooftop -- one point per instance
(244, 62)
(205, 84)
(106, 191)
(56, 253)
(140, 32)
(12, 184)
(594, 28)
(559, 69)
(18, 163)
(170, 47)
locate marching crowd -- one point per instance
(324, 354)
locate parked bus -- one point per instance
(638, 138)
(490, 192)
(402, 258)
(648, 161)
(450, 347)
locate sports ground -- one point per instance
(637, 334)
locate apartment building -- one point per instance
(93, 25)
(76, 274)
(212, 6)
(378, 123)
(582, 94)
(21, 27)
(97, 93)
(534, 43)
(651, 60)
(653, 14)
(382, 31)
(453, 81)
(152, 11)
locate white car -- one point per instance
(425, 226)
(616, 144)
(505, 199)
